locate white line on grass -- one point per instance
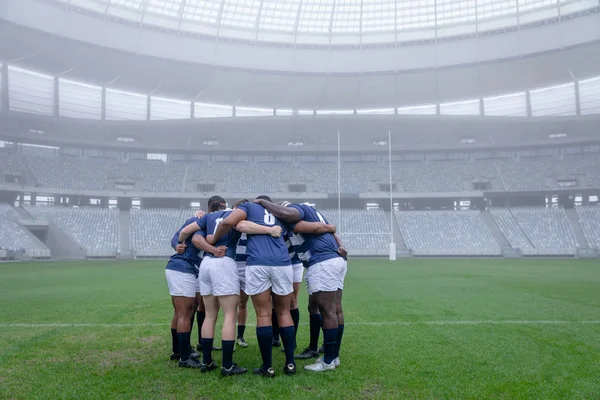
(363, 323)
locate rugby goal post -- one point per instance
(392, 251)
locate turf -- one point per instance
(418, 329)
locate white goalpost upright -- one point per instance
(339, 182)
(392, 244)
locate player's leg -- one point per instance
(275, 324)
(200, 315)
(182, 287)
(283, 288)
(341, 268)
(315, 324)
(229, 305)
(258, 287)
(242, 318)
(340, 331)
(174, 341)
(326, 301)
(264, 331)
(226, 286)
(184, 307)
(211, 304)
(324, 282)
(294, 311)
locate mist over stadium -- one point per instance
(454, 144)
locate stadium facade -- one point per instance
(474, 134)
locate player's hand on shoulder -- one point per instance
(180, 248)
(220, 252)
(199, 214)
(342, 251)
(276, 231)
(332, 228)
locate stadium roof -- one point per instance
(335, 22)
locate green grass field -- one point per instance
(415, 329)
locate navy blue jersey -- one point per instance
(240, 250)
(189, 261)
(314, 248)
(208, 226)
(264, 249)
(293, 249)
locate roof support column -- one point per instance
(56, 98)
(103, 104)
(148, 107)
(528, 102)
(577, 99)
(4, 86)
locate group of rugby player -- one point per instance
(258, 249)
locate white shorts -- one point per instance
(181, 284)
(326, 276)
(260, 278)
(298, 272)
(219, 277)
(198, 283)
(241, 267)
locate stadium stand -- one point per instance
(548, 229)
(589, 219)
(93, 228)
(93, 173)
(364, 232)
(152, 229)
(458, 233)
(512, 230)
(14, 237)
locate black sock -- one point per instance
(330, 339)
(207, 345)
(264, 335)
(241, 330)
(296, 318)
(287, 337)
(338, 343)
(200, 315)
(184, 345)
(315, 330)
(227, 353)
(275, 325)
(174, 341)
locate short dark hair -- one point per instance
(240, 201)
(264, 197)
(216, 203)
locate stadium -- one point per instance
(454, 144)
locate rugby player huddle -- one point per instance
(258, 249)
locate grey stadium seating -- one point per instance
(589, 219)
(512, 231)
(152, 229)
(364, 232)
(548, 229)
(95, 229)
(458, 233)
(15, 237)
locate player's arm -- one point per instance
(314, 228)
(200, 243)
(341, 249)
(252, 228)
(178, 247)
(289, 215)
(188, 231)
(225, 226)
